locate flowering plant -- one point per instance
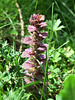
(32, 68)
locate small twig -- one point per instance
(22, 31)
(22, 25)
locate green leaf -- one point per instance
(68, 93)
(14, 32)
(68, 51)
(55, 25)
(0, 74)
(6, 76)
(49, 24)
(1, 67)
(49, 99)
(57, 70)
(1, 84)
(52, 75)
(58, 97)
(56, 57)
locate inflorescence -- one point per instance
(33, 69)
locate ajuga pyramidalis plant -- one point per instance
(33, 70)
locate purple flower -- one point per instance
(42, 56)
(32, 79)
(41, 44)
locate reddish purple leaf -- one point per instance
(41, 25)
(27, 80)
(27, 73)
(28, 66)
(43, 48)
(32, 28)
(27, 53)
(34, 19)
(43, 34)
(41, 18)
(28, 40)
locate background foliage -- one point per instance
(60, 18)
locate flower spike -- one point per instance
(33, 70)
